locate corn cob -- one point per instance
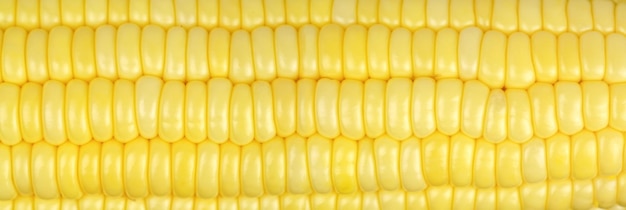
(504, 15)
(463, 198)
(509, 104)
(586, 166)
(102, 110)
(384, 200)
(128, 52)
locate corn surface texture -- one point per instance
(355, 52)
(584, 167)
(220, 111)
(312, 104)
(557, 16)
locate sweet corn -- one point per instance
(381, 199)
(297, 104)
(295, 166)
(221, 111)
(502, 15)
(129, 51)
